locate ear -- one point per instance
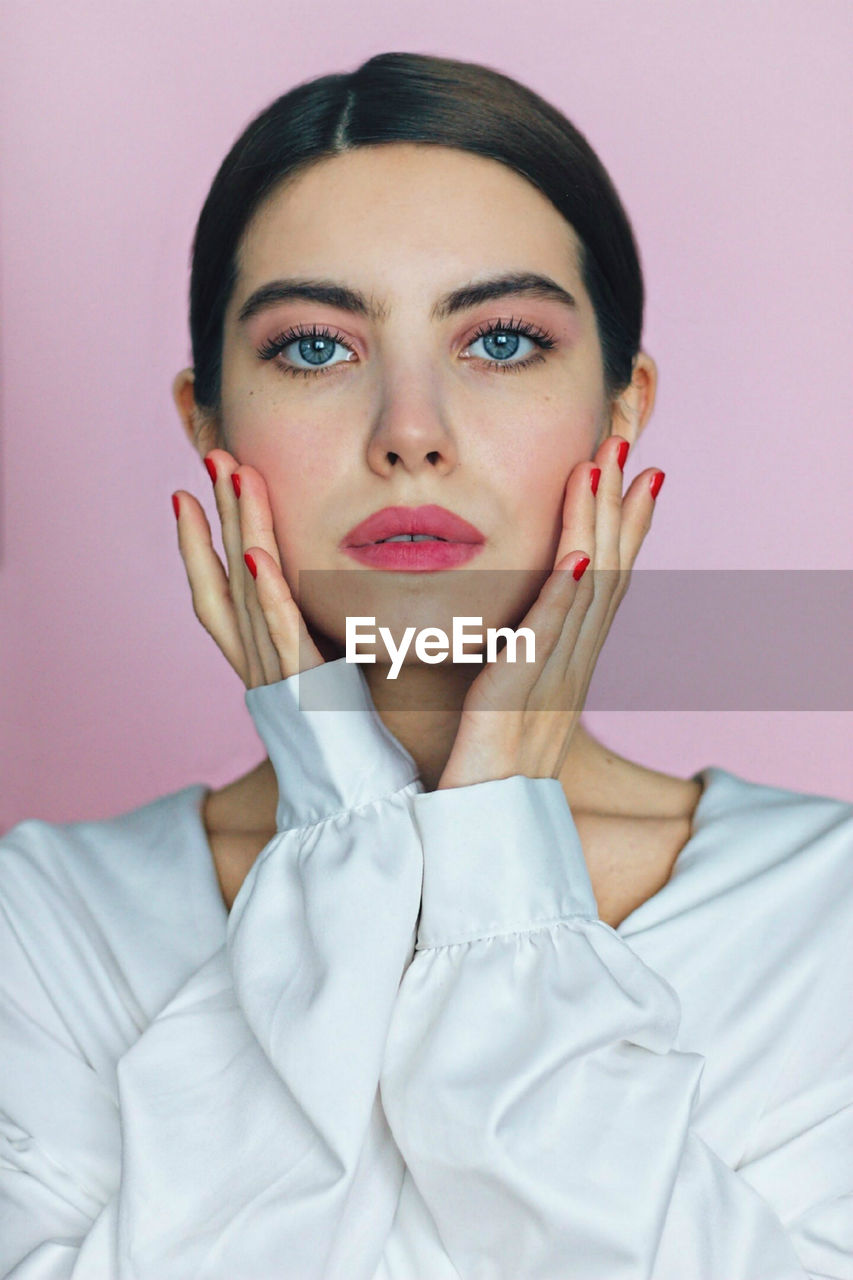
(201, 427)
(632, 409)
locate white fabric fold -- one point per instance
(531, 1076)
(252, 1137)
(327, 1085)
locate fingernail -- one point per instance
(594, 477)
(211, 468)
(250, 561)
(580, 568)
(656, 482)
(235, 480)
(624, 446)
(176, 504)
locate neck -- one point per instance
(423, 707)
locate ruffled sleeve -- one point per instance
(532, 1082)
(246, 1137)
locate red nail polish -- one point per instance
(624, 446)
(250, 561)
(211, 469)
(594, 477)
(176, 503)
(235, 480)
(656, 482)
(580, 568)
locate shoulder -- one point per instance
(785, 916)
(102, 858)
(765, 881)
(119, 902)
(774, 821)
(754, 932)
(776, 863)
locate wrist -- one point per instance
(327, 745)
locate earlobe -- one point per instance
(625, 418)
(197, 425)
(633, 408)
(646, 381)
(183, 394)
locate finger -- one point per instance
(610, 457)
(637, 512)
(232, 541)
(294, 648)
(554, 621)
(579, 511)
(578, 531)
(592, 519)
(638, 507)
(577, 595)
(211, 598)
(555, 617)
(253, 506)
(256, 530)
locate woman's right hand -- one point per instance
(256, 623)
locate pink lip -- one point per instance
(462, 541)
(415, 555)
(391, 521)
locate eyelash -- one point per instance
(273, 346)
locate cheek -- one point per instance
(550, 447)
(288, 453)
(561, 423)
(538, 476)
(295, 486)
(302, 478)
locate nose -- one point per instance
(409, 430)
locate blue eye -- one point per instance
(315, 344)
(501, 346)
(501, 342)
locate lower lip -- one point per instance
(415, 556)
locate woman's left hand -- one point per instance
(518, 718)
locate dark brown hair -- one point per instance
(412, 97)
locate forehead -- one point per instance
(406, 210)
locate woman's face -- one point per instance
(412, 404)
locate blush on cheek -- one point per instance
(582, 436)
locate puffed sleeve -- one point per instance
(246, 1137)
(531, 1080)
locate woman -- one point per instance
(433, 991)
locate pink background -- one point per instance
(726, 127)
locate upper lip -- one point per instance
(390, 521)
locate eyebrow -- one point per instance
(516, 283)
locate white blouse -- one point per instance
(412, 1050)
